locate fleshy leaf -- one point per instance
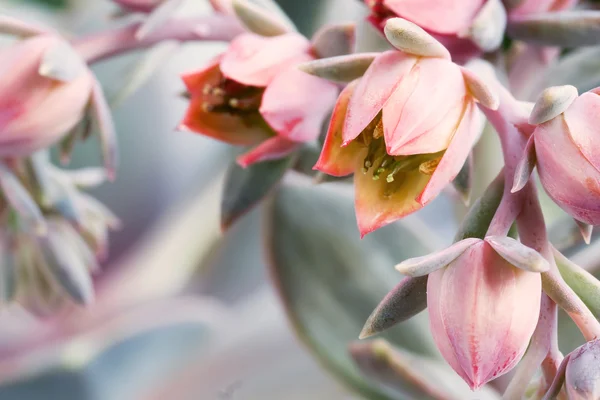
(259, 20)
(552, 102)
(341, 68)
(334, 40)
(463, 183)
(16, 27)
(425, 265)
(412, 39)
(518, 254)
(20, 199)
(479, 88)
(584, 284)
(585, 230)
(563, 29)
(106, 130)
(245, 187)
(312, 242)
(406, 300)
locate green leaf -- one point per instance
(330, 280)
(584, 284)
(246, 187)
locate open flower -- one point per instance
(483, 298)
(44, 90)
(566, 150)
(405, 128)
(254, 94)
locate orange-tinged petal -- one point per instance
(336, 160)
(197, 80)
(376, 208)
(239, 129)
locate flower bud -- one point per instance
(44, 90)
(582, 377)
(567, 158)
(483, 311)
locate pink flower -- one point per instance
(38, 103)
(568, 161)
(405, 129)
(144, 6)
(483, 298)
(255, 94)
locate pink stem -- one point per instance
(100, 46)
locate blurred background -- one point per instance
(183, 312)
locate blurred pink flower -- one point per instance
(254, 94)
(44, 91)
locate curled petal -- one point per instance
(525, 166)
(271, 149)
(518, 254)
(425, 265)
(295, 104)
(374, 90)
(255, 60)
(455, 156)
(412, 39)
(336, 160)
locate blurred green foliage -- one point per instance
(47, 3)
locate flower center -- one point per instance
(229, 96)
(392, 168)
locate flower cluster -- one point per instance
(404, 122)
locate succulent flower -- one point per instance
(405, 128)
(254, 94)
(483, 298)
(565, 142)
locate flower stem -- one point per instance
(103, 45)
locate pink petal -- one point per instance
(455, 156)
(583, 121)
(271, 149)
(295, 104)
(425, 265)
(195, 81)
(488, 311)
(374, 89)
(567, 176)
(439, 16)
(423, 112)
(255, 60)
(336, 160)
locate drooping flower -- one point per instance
(40, 100)
(566, 143)
(405, 128)
(483, 298)
(254, 94)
